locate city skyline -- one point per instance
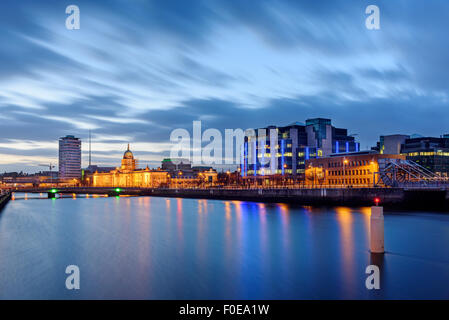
(135, 72)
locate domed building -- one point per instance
(128, 161)
(127, 175)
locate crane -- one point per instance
(50, 167)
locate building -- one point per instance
(392, 144)
(182, 174)
(40, 179)
(87, 173)
(95, 168)
(127, 175)
(286, 151)
(323, 136)
(346, 170)
(69, 158)
(173, 165)
(429, 152)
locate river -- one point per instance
(172, 248)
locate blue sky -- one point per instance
(136, 70)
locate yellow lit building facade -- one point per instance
(351, 170)
(128, 176)
(207, 178)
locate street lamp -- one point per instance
(345, 162)
(374, 174)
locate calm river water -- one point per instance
(161, 248)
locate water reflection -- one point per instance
(284, 212)
(366, 214)
(345, 221)
(179, 224)
(202, 232)
(161, 248)
(167, 204)
(238, 216)
(262, 209)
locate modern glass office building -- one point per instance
(429, 152)
(69, 158)
(284, 150)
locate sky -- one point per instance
(136, 70)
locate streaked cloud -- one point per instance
(137, 70)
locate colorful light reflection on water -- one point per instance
(161, 248)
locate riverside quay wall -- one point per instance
(4, 198)
(389, 197)
(422, 198)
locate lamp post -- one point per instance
(345, 162)
(374, 174)
(313, 172)
(283, 177)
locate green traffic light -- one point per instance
(53, 190)
(118, 190)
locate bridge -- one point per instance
(399, 173)
(400, 183)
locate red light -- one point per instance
(377, 200)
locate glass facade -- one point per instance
(430, 153)
(69, 158)
(285, 152)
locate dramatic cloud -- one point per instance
(136, 70)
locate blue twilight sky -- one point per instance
(138, 69)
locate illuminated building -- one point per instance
(182, 174)
(129, 176)
(172, 165)
(69, 158)
(391, 144)
(430, 153)
(293, 146)
(183, 179)
(346, 170)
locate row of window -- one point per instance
(349, 164)
(349, 181)
(427, 154)
(277, 171)
(349, 172)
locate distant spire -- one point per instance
(90, 149)
(128, 146)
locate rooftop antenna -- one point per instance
(90, 149)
